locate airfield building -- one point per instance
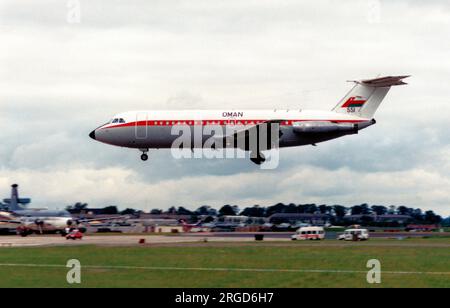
(296, 218)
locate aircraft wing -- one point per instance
(241, 133)
(11, 221)
(81, 220)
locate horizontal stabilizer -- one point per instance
(385, 81)
(20, 200)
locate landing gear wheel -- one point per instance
(144, 157)
(259, 159)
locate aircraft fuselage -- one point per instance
(159, 129)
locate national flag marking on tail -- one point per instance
(354, 101)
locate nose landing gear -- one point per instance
(144, 155)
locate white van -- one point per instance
(309, 233)
(361, 235)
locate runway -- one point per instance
(329, 235)
(109, 240)
(204, 239)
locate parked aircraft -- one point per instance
(28, 221)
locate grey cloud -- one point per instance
(59, 81)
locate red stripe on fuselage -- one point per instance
(219, 122)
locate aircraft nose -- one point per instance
(92, 134)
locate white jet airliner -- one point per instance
(146, 130)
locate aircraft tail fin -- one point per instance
(365, 97)
(14, 203)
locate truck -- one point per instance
(356, 234)
(309, 233)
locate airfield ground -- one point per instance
(183, 261)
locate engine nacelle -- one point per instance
(325, 127)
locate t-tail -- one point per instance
(15, 203)
(365, 97)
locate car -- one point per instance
(75, 234)
(309, 233)
(354, 235)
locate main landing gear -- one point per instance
(144, 155)
(258, 159)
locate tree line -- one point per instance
(336, 212)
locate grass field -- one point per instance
(225, 265)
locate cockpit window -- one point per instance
(121, 120)
(115, 121)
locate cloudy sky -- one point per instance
(63, 74)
